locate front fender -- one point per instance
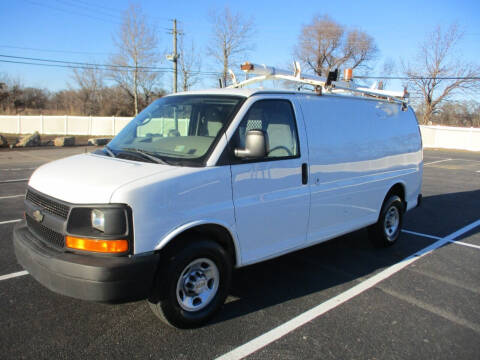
(164, 206)
(181, 229)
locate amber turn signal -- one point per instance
(103, 246)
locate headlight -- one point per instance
(109, 220)
(98, 220)
(100, 229)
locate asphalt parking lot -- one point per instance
(337, 300)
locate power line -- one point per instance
(53, 51)
(85, 64)
(96, 65)
(107, 9)
(76, 66)
(69, 11)
(89, 11)
(418, 77)
(93, 67)
(48, 65)
(153, 69)
(89, 8)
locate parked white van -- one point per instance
(201, 183)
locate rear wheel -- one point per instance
(387, 230)
(193, 285)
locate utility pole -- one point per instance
(174, 57)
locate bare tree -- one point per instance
(438, 71)
(325, 44)
(116, 102)
(231, 38)
(136, 45)
(12, 94)
(14, 97)
(148, 83)
(387, 69)
(190, 64)
(90, 83)
(458, 113)
(4, 94)
(65, 102)
(35, 98)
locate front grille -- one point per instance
(48, 205)
(45, 234)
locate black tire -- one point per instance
(166, 304)
(381, 234)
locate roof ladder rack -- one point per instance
(329, 84)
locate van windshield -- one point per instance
(179, 130)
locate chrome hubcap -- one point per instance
(392, 221)
(197, 284)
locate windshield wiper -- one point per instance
(109, 152)
(147, 155)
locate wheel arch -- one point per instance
(216, 231)
(399, 190)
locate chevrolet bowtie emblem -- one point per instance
(38, 216)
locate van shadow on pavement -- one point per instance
(328, 267)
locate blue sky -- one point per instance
(81, 30)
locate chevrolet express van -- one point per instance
(201, 183)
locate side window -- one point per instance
(276, 119)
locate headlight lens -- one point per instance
(98, 220)
(99, 228)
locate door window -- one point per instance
(276, 119)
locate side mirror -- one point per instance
(255, 145)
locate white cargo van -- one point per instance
(200, 183)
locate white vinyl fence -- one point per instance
(62, 125)
(432, 136)
(447, 137)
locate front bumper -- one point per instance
(95, 278)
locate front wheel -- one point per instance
(389, 225)
(194, 284)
